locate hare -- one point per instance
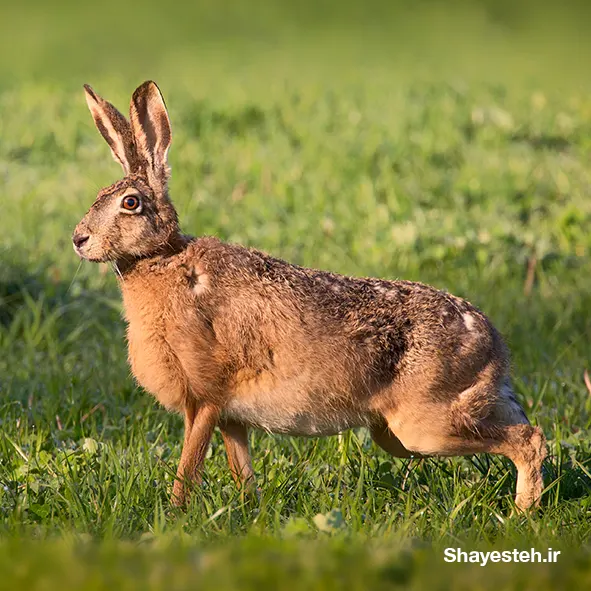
(234, 338)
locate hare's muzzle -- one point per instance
(79, 240)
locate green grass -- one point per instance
(311, 137)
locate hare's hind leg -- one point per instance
(525, 446)
(235, 438)
(384, 437)
(478, 420)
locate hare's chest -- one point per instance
(154, 362)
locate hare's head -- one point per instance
(133, 218)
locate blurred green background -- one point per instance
(182, 42)
(446, 142)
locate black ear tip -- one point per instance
(147, 91)
(148, 86)
(89, 91)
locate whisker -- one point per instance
(116, 269)
(74, 278)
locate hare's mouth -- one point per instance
(89, 258)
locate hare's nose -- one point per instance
(79, 240)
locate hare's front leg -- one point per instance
(235, 438)
(200, 421)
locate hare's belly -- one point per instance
(297, 415)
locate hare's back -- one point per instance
(360, 304)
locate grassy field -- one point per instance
(336, 139)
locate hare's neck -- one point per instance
(128, 267)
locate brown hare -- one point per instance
(231, 337)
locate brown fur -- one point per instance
(231, 336)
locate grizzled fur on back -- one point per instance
(234, 338)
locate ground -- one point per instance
(331, 150)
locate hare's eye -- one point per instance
(130, 203)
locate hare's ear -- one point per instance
(151, 127)
(115, 128)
